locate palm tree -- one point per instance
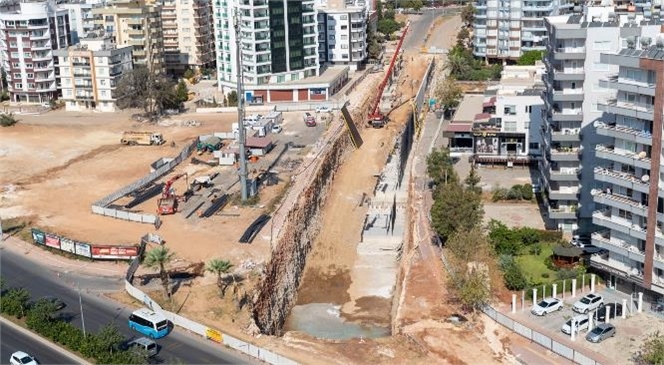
(221, 268)
(159, 258)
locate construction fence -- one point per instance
(420, 97)
(211, 334)
(101, 206)
(83, 249)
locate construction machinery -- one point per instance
(377, 119)
(142, 138)
(168, 203)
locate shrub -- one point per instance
(550, 236)
(545, 275)
(549, 264)
(8, 120)
(536, 250)
(527, 191)
(513, 275)
(529, 235)
(514, 193)
(564, 274)
(15, 302)
(499, 194)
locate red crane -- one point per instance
(376, 118)
(168, 203)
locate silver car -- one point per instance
(601, 332)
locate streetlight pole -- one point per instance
(240, 109)
(80, 303)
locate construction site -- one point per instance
(324, 254)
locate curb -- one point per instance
(46, 342)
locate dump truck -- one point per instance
(210, 144)
(142, 138)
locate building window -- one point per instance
(624, 214)
(344, 46)
(344, 17)
(17, 64)
(27, 54)
(510, 110)
(344, 37)
(18, 86)
(331, 37)
(28, 65)
(15, 55)
(331, 46)
(31, 76)
(103, 93)
(344, 56)
(281, 78)
(330, 27)
(102, 82)
(12, 44)
(344, 27)
(529, 109)
(510, 126)
(533, 146)
(17, 76)
(31, 86)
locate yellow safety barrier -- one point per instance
(214, 335)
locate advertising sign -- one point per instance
(52, 241)
(83, 249)
(67, 245)
(114, 252)
(38, 236)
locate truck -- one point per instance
(210, 144)
(142, 138)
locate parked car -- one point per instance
(323, 109)
(614, 310)
(276, 129)
(601, 332)
(592, 249)
(21, 358)
(587, 303)
(143, 344)
(580, 323)
(546, 306)
(580, 241)
(57, 303)
(537, 188)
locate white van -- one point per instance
(144, 344)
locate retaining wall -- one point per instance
(280, 107)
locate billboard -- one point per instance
(38, 236)
(52, 240)
(114, 252)
(67, 245)
(83, 249)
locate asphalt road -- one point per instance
(99, 311)
(13, 340)
(420, 26)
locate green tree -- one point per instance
(107, 342)
(373, 45)
(440, 167)
(651, 351)
(463, 37)
(472, 181)
(221, 268)
(455, 209)
(529, 58)
(8, 120)
(470, 256)
(459, 65)
(181, 92)
(505, 241)
(388, 26)
(15, 302)
(414, 4)
(513, 275)
(468, 15)
(448, 93)
(41, 316)
(232, 99)
(141, 88)
(160, 258)
(379, 9)
(189, 74)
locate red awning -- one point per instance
(459, 127)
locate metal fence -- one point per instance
(424, 87)
(101, 206)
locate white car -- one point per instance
(588, 303)
(21, 358)
(580, 323)
(323, 109)
(546, 306)
(276, 129)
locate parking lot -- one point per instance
(630, 332)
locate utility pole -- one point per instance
(240, 108)
(80, 303)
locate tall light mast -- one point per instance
(240, 108)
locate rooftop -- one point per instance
(468, 108)
(653, 53)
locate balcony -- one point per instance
(42, 78)
(84, 75)
(81, 64)
(569, 74)
(569, 53)
(622, 179)
(41, 46)
(628, 109)
(603, 240)
(629, 158)
(41, 57)
(604, 218)
(563, 194)
(603, 262)
(631, 86)
(566, 115)
(83, 86)
(566, 135)
(84, 97)
(562, 213)
(569, 174)
(568, 95)
(621, 202)
(565, 153)
(624, 133)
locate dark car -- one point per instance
(57, 303)
(614, 310)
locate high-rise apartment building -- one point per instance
(137, 24)
(504, 29)
(90, 71)
(629, 189)
(188, 34)
(278, 41)
(573, 102)
(342, 32)
(81, 20)
(29, 32)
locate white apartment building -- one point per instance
(504, 29)
(279, 45)
(573, 102)
(81, 19)
(188, 33)
(342, 33)
(508, 129)
(29, 32)
(90, 71)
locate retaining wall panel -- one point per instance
(562, 350)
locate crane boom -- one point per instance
(167, 187)
(375, 115)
